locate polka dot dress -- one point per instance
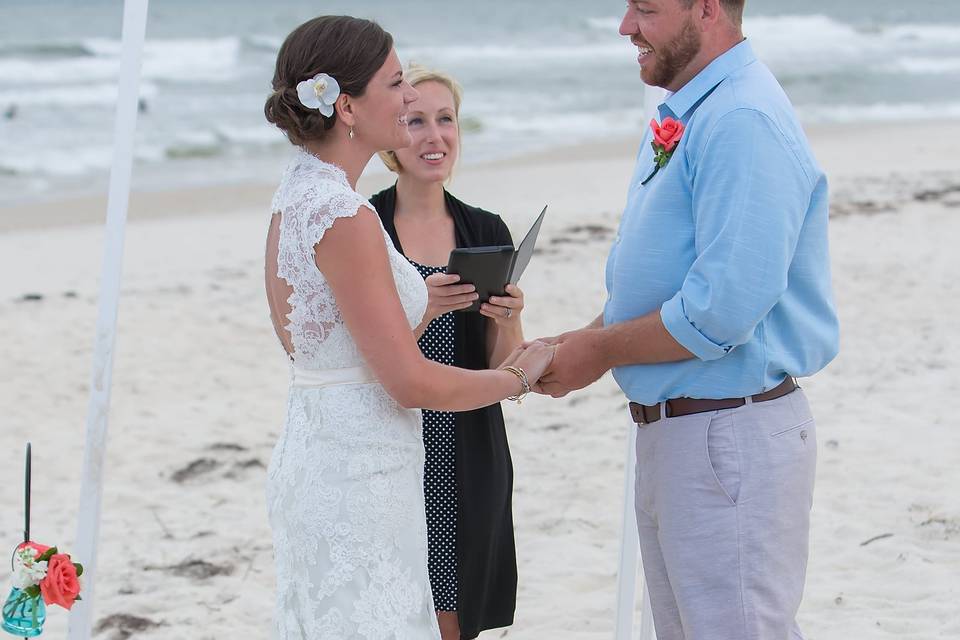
(439, 472)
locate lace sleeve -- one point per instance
(326, 208)
(312, 196)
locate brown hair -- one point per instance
(417, 74)
(734, 9)
(351, 50)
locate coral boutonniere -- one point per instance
(666, 136)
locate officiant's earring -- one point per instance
(350, 133)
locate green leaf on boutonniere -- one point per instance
(46, 555)
(660, 159)
(79, 568)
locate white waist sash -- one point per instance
(319, 378)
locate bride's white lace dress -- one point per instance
(345, 483)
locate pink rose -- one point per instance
(668, 134)
(61, 585)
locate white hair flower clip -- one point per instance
(319, 92)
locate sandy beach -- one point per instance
(200, 388)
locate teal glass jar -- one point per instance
(23, 616)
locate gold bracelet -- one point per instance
(522, 375)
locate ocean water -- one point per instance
(536, 73)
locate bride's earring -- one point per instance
(350, 133)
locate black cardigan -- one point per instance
(486, 555)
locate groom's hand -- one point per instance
(577, 362)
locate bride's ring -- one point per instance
(508, 313)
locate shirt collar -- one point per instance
(679, 104)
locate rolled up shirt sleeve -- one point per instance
(750, 196)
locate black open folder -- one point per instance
(490, 269)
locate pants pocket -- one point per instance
(783, 432)
(723, 455)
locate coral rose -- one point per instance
(61, 586)
(668, 134)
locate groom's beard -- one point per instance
(672, 58)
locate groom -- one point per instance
(719, 297)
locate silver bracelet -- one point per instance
(522, 375)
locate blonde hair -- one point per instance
(416, 74)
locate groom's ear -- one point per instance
(345, 113)
(710, 11)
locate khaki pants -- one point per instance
(723, 509)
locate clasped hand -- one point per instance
(558, 365)
(577, 362)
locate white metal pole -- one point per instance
(91, 484)
(630, 559)
(652, 98)
(647, 632)
(629, 545)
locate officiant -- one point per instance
(468, 473)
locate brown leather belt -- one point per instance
(644, 414)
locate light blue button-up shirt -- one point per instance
(728, 241)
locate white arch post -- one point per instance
(627, 576)
(91, 484)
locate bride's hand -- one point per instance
(534, 359)
(511, 360)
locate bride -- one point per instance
(345, 486)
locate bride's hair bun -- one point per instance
(299, 123)
(351, 50)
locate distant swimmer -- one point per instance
(10, 112)
(142, 105)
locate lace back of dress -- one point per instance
(277, 289)
(311, 197)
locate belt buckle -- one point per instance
(639, 414)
